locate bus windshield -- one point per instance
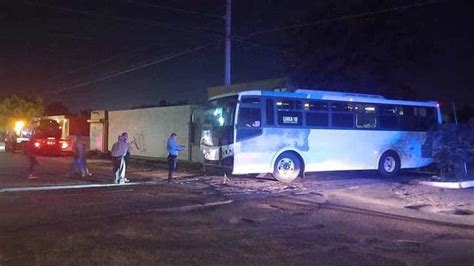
(220, 112)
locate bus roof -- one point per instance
(331, 96)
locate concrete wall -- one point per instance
(149, 129)
(98, 130)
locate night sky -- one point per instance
(65, 50)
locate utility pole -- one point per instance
(228, 18)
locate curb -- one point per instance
(450, 185)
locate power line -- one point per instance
(163, 25)
(346, 17)
(174, 9)
(116, 56)
(143, 65)
(102, 61)
(58, 34)
(259, 44)
(152, 23)
(108, 59)
(241, 39)
(187, 51)
(126, 71)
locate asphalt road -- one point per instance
(203, 222)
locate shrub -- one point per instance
(453, 148)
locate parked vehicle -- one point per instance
(289, 133)
(45, 135)
(72, 127)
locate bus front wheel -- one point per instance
(287, 167)
(389, 164)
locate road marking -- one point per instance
(77, 186)
(101, 192)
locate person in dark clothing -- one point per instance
(173, 149)
(30, 153)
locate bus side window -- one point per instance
(298, 105)
(388, 117)
(426, 118)
(408, 120)
(249, 123)
(249, 117)
(342, 114)
(317, 114)
(284, 104)
(290, 112)
(290, 118)
(316, 106)
(270, 112)
(433, 117)
(251, 100)
(317, 119)
(366, 116)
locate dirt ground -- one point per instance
(352, 218)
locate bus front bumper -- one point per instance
(218, 156)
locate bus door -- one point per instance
(249, 145)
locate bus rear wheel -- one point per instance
(389, 164)
(287, 167)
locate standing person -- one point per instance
(127, 156)
(76, 165)
(125, 139)
(80, 160)
(31, 155)
(173, 149)
(119, 150)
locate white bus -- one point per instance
(290, 133)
